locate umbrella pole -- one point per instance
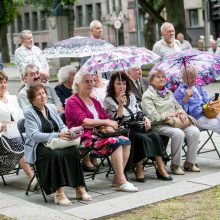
(184, 63)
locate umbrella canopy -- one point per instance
(119, 59)
(76, 47)
(217, 65)
(172, 65)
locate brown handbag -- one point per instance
(211, 109)
(177, 123)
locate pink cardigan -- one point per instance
(76, 111)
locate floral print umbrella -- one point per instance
(76, 47)
(202, 61)
(217, 65)
(119, 59)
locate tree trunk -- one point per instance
(4, 43)
(176, 14)
(150, 33)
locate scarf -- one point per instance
(161, 93)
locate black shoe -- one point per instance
(141, 180)
(87, 169)
(161, 177)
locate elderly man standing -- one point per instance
(31, 77)
(184, 44)
(168, 44)
(28, 53)
(96, 30)
(139, 84)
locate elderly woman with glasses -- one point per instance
(83, 110)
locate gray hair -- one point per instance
(164, 26)
(23, 33)
(153, 73)
(28, 66)
(188, 70)
(64, 72)
(94, 23)
(78, 79)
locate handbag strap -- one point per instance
(126, 106)
(7, 146)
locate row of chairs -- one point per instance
(85, 151)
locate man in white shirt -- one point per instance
(184, 44)
(28, 53)
(96, 30)
(214, 48)
(168, 44)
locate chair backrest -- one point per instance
(63, 117)
(21, 128)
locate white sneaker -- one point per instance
(127, 187)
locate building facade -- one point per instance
(128, 16)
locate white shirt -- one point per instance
(163, 49)
(11, 107)
(24, 56)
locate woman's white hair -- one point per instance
(188, 70)
(64, 72)
(78, 79)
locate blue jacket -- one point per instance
(33, 130)
(194, 105)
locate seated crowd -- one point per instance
(89, 101)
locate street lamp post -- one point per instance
(207, 23)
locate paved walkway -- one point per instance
(106, 200)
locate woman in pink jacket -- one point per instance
(82, 110)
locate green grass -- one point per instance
(3, 217)
(9, 65)
(198, 206)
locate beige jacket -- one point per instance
(157, 108)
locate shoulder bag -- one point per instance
(211, 109)
(177, 123)
(58, 143)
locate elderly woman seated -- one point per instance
(83, 110)
(121, 105)
(159, 104)
(193, 97)
(65, 76)
(10, 113)
(56, 167)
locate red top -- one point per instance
(76, 111)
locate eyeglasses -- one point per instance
(88, 81)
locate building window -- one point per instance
(89, 13)
(34, 21)
(79, 16)
(98, 11)
(44, 45)
(43, 20)
(19, 24)
(27, 21)
(193, 18)
(36, 44)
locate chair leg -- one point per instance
(210, 134)
(3, 179)
(38, 180)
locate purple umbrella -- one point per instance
(202, 61)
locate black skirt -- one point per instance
(58, 168)
(145, 145)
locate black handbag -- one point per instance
(99, 131)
